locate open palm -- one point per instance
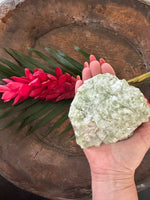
(123, 156)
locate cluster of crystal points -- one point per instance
(106, 109)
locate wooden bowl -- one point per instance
(116, 30)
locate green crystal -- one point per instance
(106, 110)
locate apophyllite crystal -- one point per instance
(106, 110)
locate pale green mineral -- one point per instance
(106, 109)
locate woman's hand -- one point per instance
(113, 165)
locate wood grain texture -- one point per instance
(118, 31)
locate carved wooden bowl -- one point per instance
(116, 30)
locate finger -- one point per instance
(86, 74)
(92, 58)
(107, 68)
(78, 84)
(86, 64)
(101, 61)
(95, 68)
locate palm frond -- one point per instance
(35, 116)
(57, 109)
(71, 69)
(74, 63)
(29, 111)
(68, 128)
(17, 108)
(81, 51)
(39, 112)
(58, 123)
(70, 139)
(47, 59)
(6, 71)
(17, 70)
(5, 105)
(26, 61)
(144, 78)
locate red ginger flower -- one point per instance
(39, 85)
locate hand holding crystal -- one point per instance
(113, 165)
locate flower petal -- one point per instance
(36, 92)
(60, 97)
(62, 79)
(39, 73)
(73, 80)
(52, 85)
(25, 90)
(51, 77)
(14, 85)
(58, 72)
(8, 95)
(7, 80)
(67, 86)
(46, 83)
(28, 74)
(17, 99)
(3, 88)
(20, 79)
(43, 94)
(52, 97)
(68, 77)
(69, 95)
(36, 83)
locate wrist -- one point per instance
(112, 187)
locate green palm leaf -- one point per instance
(54, 112)
(144, 78)
(17, 70)
(68, 128)
(36, 113)
(35, 116)
(58, 123)
(41, 112)
(29, 110)
(85, 54)
(70, 139)
(6, 71)
(26, 61)
(68, 61)
(14, 109)
(5, 105)
(36, 107)
(71, 69)
(49, 60)
(74, 63)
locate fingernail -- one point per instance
(101, 61)
(86, 64)
(92, 58)
(78, 77)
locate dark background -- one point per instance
(8, 191)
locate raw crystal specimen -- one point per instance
(106, 109)
(7, 5)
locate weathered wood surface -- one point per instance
(145, 1)
(118, 31)
(7, 5)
